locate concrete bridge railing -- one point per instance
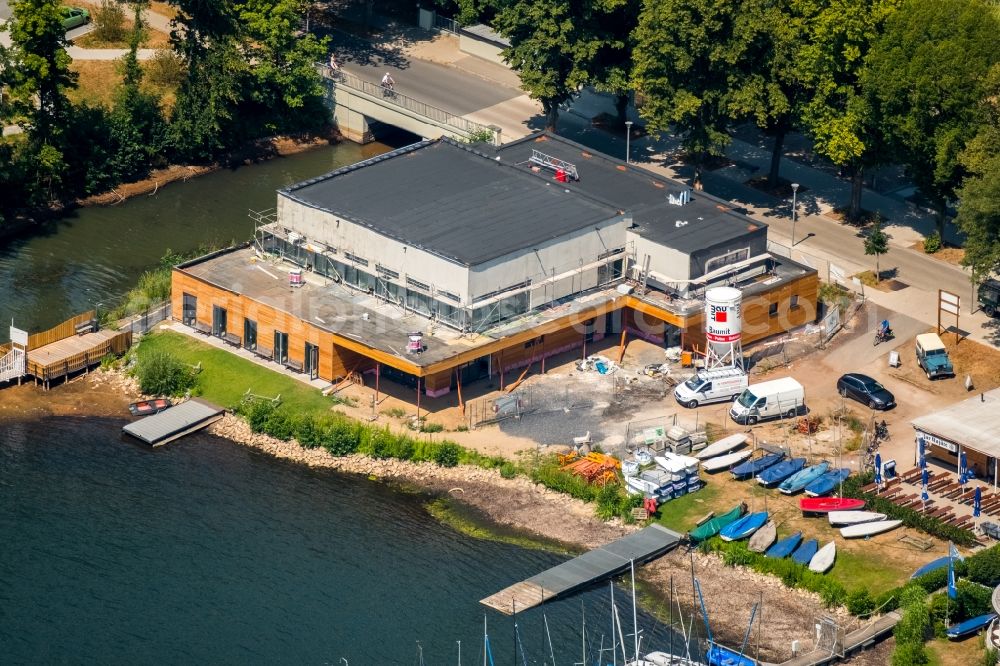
(356, 100)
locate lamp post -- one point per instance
(628, 137)
(795, 215)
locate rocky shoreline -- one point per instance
(518, 504)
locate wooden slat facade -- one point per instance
(56, 333)
(339, 356)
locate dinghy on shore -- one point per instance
(724, 462)
(970, 626)
(828, 504)
(724, 445)
(824, 558)
(784, 548)
(744, 527)
(869, 529)
(853, 517)
(710, 528)
(763, 538)
(800, 480)
(805, 552)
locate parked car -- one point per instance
(989, 297)
(711, 386)
(74, 17)
(769, 400)
(932, 356)
(865, 390)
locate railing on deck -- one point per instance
(341, 78)
(118, 344)
(57, 333)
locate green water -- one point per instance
(95, 254)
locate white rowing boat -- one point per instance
(869, 529)
(854, 517)
(724, 462)
(823, 559)
(724, 445)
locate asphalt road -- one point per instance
(4, 10)
(438, 85)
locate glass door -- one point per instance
(250, 334)
(190, 310)
(218, 321)
(312, 360)
(280, 346)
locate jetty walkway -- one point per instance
(593, 566)
(858, 639)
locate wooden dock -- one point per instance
(858, 639)
(74, 353)
(175, 422)
(591, 567)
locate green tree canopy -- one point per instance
(926, 74)
(839, 114)
(685, 57)
(552, 48)
(877, 244)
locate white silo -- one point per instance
(723, 327)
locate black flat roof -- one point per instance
(702, 222)
(452, 200)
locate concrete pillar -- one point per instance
(351, 124)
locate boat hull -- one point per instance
(828, 504)
(724, 462)
(800, 480)
(715, 525)
(824, 558)
(970, 626)
(804, 553)
(763, 538)
(869, 529)
(853, 517)
(781, 471)
(744, 527)
(724, 445)
(785, 547)
(825, 484)
(933, 565)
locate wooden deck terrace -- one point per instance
(77, 352)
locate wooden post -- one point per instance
(584, 345)
(500, 364)
(458, 383)
(543, 354)
(621, 347)
(418, 398)
(377, 366)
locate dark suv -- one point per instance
(989, 297)
(865, 390)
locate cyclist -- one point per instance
(387, 82)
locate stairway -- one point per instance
(12, 365)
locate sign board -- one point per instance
(937, 441)
(18, 337)
(836, 273)
(949, 303)
(948, 297)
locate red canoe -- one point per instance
(827, 504)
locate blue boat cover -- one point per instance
(933, 565)
(781, 471)
(784, 548)
(751, 467)
(720, 656)
(801, 479)
(805, 552)
(745, 526)
(827, 482)
(969, 626)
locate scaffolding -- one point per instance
(553, 163)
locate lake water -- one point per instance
(207, 552)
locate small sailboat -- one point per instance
(970, 626)
(781, 471)
(825, 484)
(853, 517)
(800, 480)
(828, 504)
(824, 558)
(869, 529)
(630, 467)
(804, 553)
(712, 527)
(724, 445)
(724, 462)
(763, 538)
(743, 527)
(784, 548)
(756, 465)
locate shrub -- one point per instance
(380, 444)
(608, 502)
(109, 22)
(256, 412)
(508, 470)
(308, 432)
(108, 362)
(431, 427)
(401, 447)
(932, 243)
(280, 424)
(341, 438)
(160, 373)
(165, 68)
(395, 412)
(984, 567)
(910, 654)
(447, 454)
(462, 428)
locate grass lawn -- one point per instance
(943, 652)
(856, 571)
(679, 514)
(225, 377)
(99, 79)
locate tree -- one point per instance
(839, 114)
(979, 197)
(769, 90)
(684, 58)
(926, 74)
(876, 243)
(552, 47)
(612, 64)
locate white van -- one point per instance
(720, 385)
(769, 400)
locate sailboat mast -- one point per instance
(671, 607)
(486, 640)
(552, 652)
(635, 616)
(614, 640)
(583, 636)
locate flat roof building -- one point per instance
(971, 426)
(493, 257)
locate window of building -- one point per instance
(727, 259)
(218, 321)
(449, 295)
(772, 311)
(794, 301)
(386, 273)
(189, 310)
(356, 259)
(609, 272)
(410, 282)
(280, 346)
(450, 315)
(389, 291)
(250, 334)
(419, 302)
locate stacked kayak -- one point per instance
(743, 527)
(825, 484)
(781, 471)
(712, 527)
(785, 547)
(800, 480)
(756, 465)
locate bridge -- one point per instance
(356, 102)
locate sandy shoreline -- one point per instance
(516, 503)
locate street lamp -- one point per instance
(795, 213)
(628, 136)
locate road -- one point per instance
(4, 10)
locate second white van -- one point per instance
(769, 400)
